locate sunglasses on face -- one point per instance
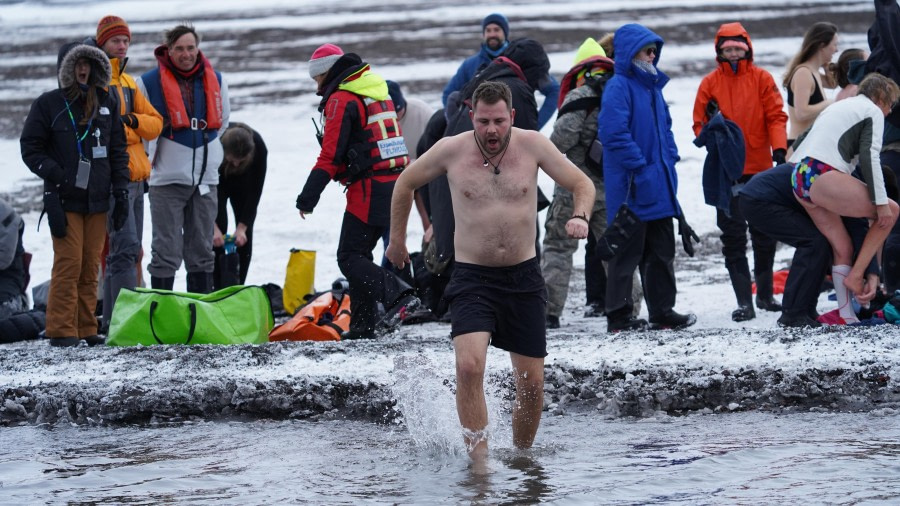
(650, 51)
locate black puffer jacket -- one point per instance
(884, 42)
(49, 140)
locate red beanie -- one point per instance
(109, 27)
(323, 58)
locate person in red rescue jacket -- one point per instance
(748, 96)
(363, 150)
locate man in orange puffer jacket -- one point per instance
(141, 122)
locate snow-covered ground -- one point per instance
(748, 364)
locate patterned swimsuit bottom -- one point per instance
(803, 175)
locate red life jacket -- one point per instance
(178, 115)
(381, 149)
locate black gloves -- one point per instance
(129, 120)
(778, 156)
(712, 108)
(299, 204)
(56, 215)
(120, 209)
(687, 235)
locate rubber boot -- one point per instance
(764, 298)
(199, 282)
(739, 272)
(162, 283)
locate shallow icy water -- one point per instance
(735, 458)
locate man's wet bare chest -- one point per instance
(474, 182)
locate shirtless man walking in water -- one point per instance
(496, 292)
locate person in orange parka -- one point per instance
(748, 96)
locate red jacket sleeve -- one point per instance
(342, 116)
(341, 113)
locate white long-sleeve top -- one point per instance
(846, 134)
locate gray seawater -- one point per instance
(738, 458)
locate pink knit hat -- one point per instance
(734, 42)
(323, 58)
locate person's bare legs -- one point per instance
(835, 194)
(526, 415)
(833, 229)
(471, 355)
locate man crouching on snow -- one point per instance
(496, 293)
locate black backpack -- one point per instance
(504, 70)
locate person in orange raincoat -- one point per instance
(748, 96)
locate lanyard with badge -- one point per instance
(84, 164)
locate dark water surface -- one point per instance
(745, 458)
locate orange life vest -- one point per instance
(322, 319)
(178, 115)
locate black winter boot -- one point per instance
(764, 298)
(162, 283)
(621, 320)
(743, 292)
(199, 282)
(672, 321)
(552, 321)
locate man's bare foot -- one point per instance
(476, 443)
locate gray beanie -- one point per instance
(323, 58)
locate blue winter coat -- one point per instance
(724, 163)
(635, 129)
(469, 67)
(548, 85)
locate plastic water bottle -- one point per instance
(230, 247)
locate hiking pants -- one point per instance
(182, 229)
(891, 254)
(72, 299)
(369, 283)
(734, 242)
(652, 250)
(124, 249)
(812, 254)
(594, 273)
(556, 258)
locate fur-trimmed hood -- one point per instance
(101, 69)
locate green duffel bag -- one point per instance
(232, 315)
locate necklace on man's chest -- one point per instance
(487, 159)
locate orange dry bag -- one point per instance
(323, 319)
